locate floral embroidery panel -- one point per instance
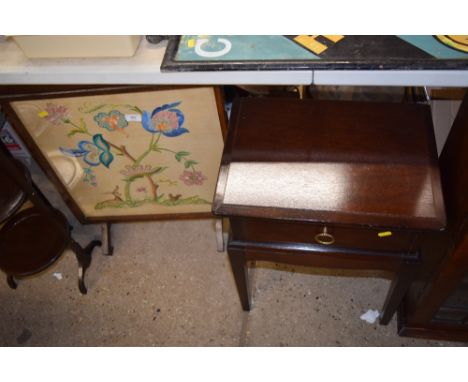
(131, 154)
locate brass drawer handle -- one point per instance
(324, 237)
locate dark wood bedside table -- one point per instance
(347, 185)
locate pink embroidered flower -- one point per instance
(165, 119)
(56, 113)
(191, 178)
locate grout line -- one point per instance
(245, 332)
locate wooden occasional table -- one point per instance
(347, 185)
(33, 234)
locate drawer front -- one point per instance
(272, 231)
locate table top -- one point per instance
(145, 68)
(352, 162)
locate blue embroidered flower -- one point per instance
(93, 153)
(89, 176)
(114, 120)
(165, 119)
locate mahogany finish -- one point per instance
(377, 160)
(277, 231)
(13, 195)
(364, 173)
(23, 249)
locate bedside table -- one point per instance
(347, 185)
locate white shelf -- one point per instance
(145, 68)
(435, 78)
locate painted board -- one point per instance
(281, 52)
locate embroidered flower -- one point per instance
(55, 114)
(93, 153)
(88, 176)
(114, 120)
(165, 119)
(191, 178)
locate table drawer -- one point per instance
(330, 235)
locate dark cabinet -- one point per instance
(438, 306)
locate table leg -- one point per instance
(11, 282)
(83, 257)
(240, 271)
(398, 288)
(107, 248)
(219, 235)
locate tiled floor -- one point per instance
(166, 285)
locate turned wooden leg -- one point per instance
(106, 247)
(11, 282)
(83, 256)
(397, 291)
(240, 271)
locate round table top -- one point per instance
(32, 240)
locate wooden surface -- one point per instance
(24, 250)
(362, 238)
(351, 162)
(453, 162)
(12, 196)
(422, 316)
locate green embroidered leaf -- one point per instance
(158, 201)
(106, 158)
(81, 129)
(110, 204)
(186, 201)
(154, 171)
(100, 142)
(82, 125)
(89, 109)
(181, 154)
(73, 132)
(137, 109)
(190, 163)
